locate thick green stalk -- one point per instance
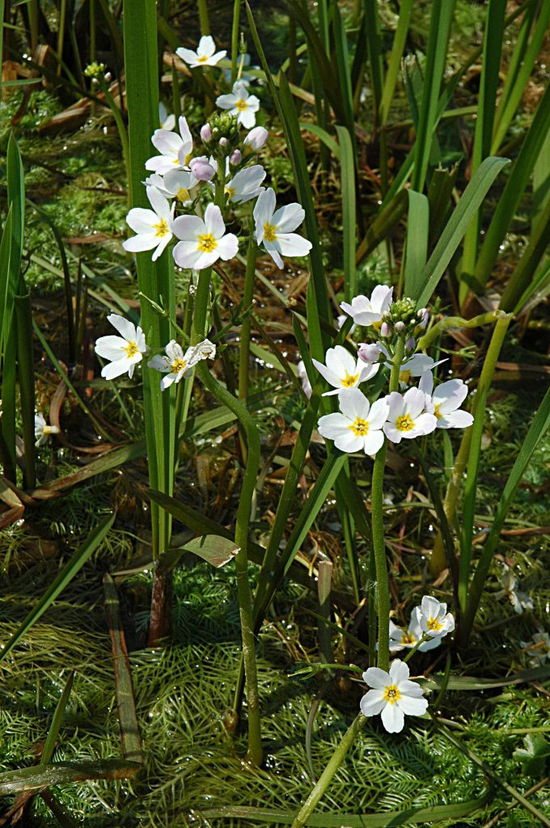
(244, 511)
(248, 295)
(203, 17)
(235, 39)
(200, 309)
(332, 766)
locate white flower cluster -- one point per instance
(125, 351)
(360, 425)
(181, 168)
(430, 622)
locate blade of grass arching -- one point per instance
(442, 12)
(109, 460)
(490, 68)
(323, 136)
(457, 225)
(514, 189)
(521, 284)
(472, 465)
(535, 434)
(347, 184)
(541, 179)
(520, 41)
(440, 192)
(7, 353)
(513, 92)
(394, 65)
(374, 50)
(416, 245)
(155, 279)
(64, 773)
(65, 576)
(343, 67)
(25, 375)
(57, 721)
(130, 739)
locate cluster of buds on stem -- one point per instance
(402, 319)
(220, 135)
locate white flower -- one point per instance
(153, 227)
(407, 417)
(434, 619)
(205, 55)
(167, 121)
(446, 401)
(342, 370)
(519, 600)
(246, 184)
(173, 184)
(272, 228)
(302, 373)
(203, 242)
(43, 431)
(538, 648)
(241, 104)
(358, 426)
(125, 351)
(177, 364)
(175, 149)
(416, 366)
(256, 138)
(393, 695)
(400, 639)
(365, 311)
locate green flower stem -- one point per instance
(332, 766)
(378, 539)
(203, 17)
(457, 322)
(244, 592)
(235, 39)
(248, 296)
(200, 310)
(413, 650)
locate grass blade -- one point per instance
(416, 249)
(63, 773)
(347, 166)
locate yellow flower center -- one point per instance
(182, 194)
(131, 349)
(404, 423)
(178, 365)
(408, 638)
(202, 58)
(187, 159)
(270, 232)
(437, 412)
(350, 380)
(391, 694)
(404, 376)
(230, 192)
(207, 243)
(359, 427)
(47, 430)
(161, 229)
(434, 624)
(241, 105)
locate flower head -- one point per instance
(365, 311)
(256, 138)
(434, 619)
(203, 242)
(358, 426)
(177, 364)
(125, 351)
(407, 416)
(241, 104)
(173, 184)
(446, 401)
(175, 150)
(273, 228)
(393, 695)
(153, 227)
(205, 55)
(246, 184)
(407, 639)
(43, 431)
(342, 370)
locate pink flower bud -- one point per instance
(385, 329)
(424, 316)
(235, 157)
(201, 169)
(257, 137)
(410, 344)
(400, 327)
(206, 132)
(224, 142)
(368, 353)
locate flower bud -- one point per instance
(400, 327)
(385, 330)
(206, 132)
(368, 352)
(410, 344)
(424, 316)
(223, 142)
(201, 169)
(235, 157)
(257, 137)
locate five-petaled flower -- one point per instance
(42, 430)
(342, 370)
(125, 351)
(393, 695)
(205, 55)
(273, 228)
(407, 416)
(409, 638)
(176, 150)
(241, 104)
(365, 311)
(434, 619)
(176, 364)
(446, 401)
(203, 242)
(358, 426)
(246, 184)
(153, 227)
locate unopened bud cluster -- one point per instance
(221, 134)
(403, 319)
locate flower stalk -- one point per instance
(248, 295)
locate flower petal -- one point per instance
(372, 703)
(377, 678)
(125, 328)
(228, 247)
(393, 718)
(289, 217)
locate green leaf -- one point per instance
(416, 249)
(347, 179)
(213, 549)
(38, 777)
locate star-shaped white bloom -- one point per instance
(409, 638)
(446, 401)
(393, 695)
(153, 227)
(43, 431)
(241, 104)
(358, 426)
(273, 228)
(407, 416)
(365, 311)
(342, 370)
(205, 55)
(125, 351)
(175, 150)
(434, 619)
(177, 364)
(173, 184)
(519, 600)
(203, 242)
(246, 184)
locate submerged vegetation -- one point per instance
(274, 413)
